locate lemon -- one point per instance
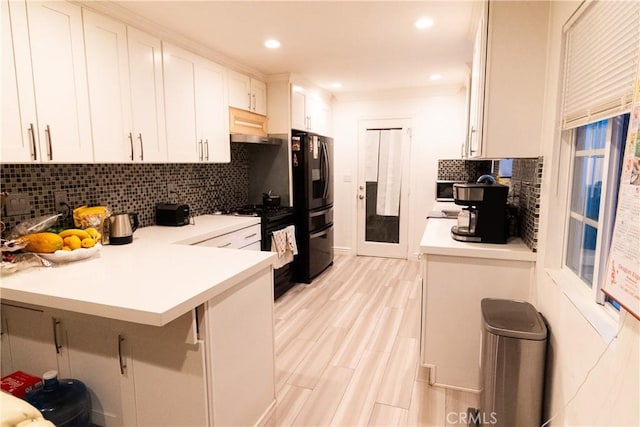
(88, 243)
(73, 242)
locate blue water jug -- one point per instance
(64, 402)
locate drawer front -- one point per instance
(247, 236)
(224, 241)
(255, 246)
(237, 239)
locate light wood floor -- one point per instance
(347, 349)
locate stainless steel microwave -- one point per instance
(444, 190)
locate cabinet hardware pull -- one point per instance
(201, 153)
(249, 95)
(56, 343)
(254, 102)
(47, 131)
(251, 235)
(360, 196)
(121, 359)
(141, 147)
(225, 245)
(206, 143)
(131, 144)
(32, 136)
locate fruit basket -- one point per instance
(62, 256)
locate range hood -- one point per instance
(254, 139)
(246, 127)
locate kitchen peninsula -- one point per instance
(456, 276)
(162, 331)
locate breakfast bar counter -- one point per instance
(162, 331)
(151, 281)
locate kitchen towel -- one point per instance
(283, 242)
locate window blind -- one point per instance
(601, 64)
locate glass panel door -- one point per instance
(382, 192)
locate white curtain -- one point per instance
(371, 150)
(389, 172)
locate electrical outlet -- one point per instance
(172, 188)
(16, 204)
(59, 198)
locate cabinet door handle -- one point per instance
(141, 146)
(47, 131)
(32, 136)
(225, 245)
(251, 235)
(254, 102)
(206, 144)
(249, 95)
(56, 342)
(121, 358)
(201, 150)
(131, 145)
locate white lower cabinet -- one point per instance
(94, 356)
(453, 287)
(216, 368)
(240, 344)
(29, 340)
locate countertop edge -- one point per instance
(165, 313)
(480, 253)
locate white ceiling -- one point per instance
(365, 45)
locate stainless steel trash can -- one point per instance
(514, 340)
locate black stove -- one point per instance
(272, 218)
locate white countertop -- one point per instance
(436, 240)
(152, 281)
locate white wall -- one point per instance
(438, 132)
(611, 394)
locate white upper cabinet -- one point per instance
(19, 139)
(247, 93)
(124, 71)
(49, 79)
(147, 96)
(309, 111)
(197, 115)
(507, 81)
(212, 113)
(298, 109)
(109, 91)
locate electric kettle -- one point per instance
(121, 228)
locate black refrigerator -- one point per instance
(311, 157)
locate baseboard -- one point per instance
(342, 250)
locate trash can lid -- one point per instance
(515, 319)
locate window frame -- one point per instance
(607, 208)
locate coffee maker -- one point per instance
(484, 216)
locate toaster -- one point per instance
(172, 214)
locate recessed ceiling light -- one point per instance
(336, 85)
(435, 77)
(272, 44)
(423, 23)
